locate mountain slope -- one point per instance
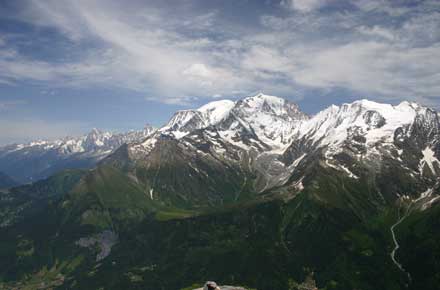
(24, 201)
(365, 136)
(220, 140)
(229, 153)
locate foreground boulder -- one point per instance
(210, 285)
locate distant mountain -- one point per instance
(346, 199)
(6, 181)
(40, 159)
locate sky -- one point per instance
(69, 66)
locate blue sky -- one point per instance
(69, 66)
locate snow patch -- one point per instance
(428, 159)
(429, 203)
(331, 126)
(350, 174)
(216, 111)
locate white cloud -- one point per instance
(374, 68)
(197, 70)
(90, 71)
(304, 5)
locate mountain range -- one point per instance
(252, 192)
(41, 158)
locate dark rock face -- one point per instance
(374, 119)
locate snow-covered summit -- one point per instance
(277, 122)
(374, 120)
(186, 121)
(271, 118)
(270, 105)
(214, 112)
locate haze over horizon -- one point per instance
(68, 67)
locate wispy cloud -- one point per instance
(176, 57)
(303, 5)
(374, 68)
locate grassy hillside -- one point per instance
(102, 229)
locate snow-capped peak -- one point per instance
(373, 121)
(271, 118)
(96, 138)
(260, 99)
(217, 111)
(270, 105)
(186, 121)
(92, 142)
